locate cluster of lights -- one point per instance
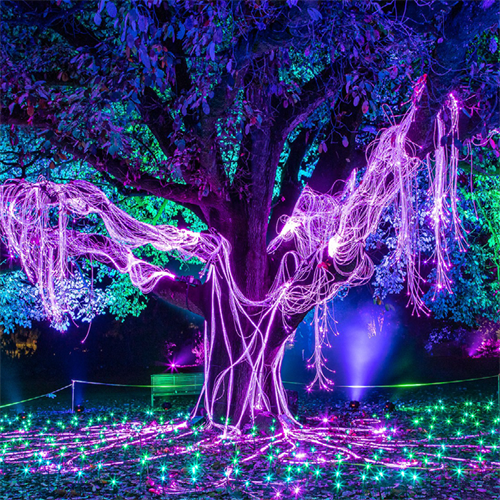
(173, 457)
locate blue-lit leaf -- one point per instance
(493, 45)
(144, 57)
(181, 32)
(143, 24)
(211, 51)
(314, 14)
(111, 9)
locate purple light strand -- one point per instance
(320, 224)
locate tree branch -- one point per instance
(106, 163)
(176, 292)
(98, 247)
(153, 113)
(279, 34)
(120, 170)
(465, 21)
(314, 93)
(64, 23)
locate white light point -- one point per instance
(289, 226)
(333, 245)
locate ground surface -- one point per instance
(437, 444)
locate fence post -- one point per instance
(72, 396)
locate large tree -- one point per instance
(229, 109)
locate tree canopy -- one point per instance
(216, 114)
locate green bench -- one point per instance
(176, 384)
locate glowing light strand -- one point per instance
(342, 439)
(329, 232)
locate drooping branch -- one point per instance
(102, 249)
(45, 248)
(99, 248)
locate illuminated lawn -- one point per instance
(424, 449)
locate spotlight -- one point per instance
(79, 409)
(390, 406)
(354, 405)
(166, 405)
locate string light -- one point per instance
(329, 232)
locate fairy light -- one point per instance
(329, 233)
(354, 449)
(444, 188)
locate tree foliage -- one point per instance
(215, 114)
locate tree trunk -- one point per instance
(244, 351)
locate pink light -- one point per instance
(336, 225)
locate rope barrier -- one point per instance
(131, 385)
(424, 384)
(394, 386)
(36, 397)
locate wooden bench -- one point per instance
(176, 384)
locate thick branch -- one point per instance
(279, 34)
(290, 185)
(120, 170)
(181, 294)
(154, 115)
(314, 93)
